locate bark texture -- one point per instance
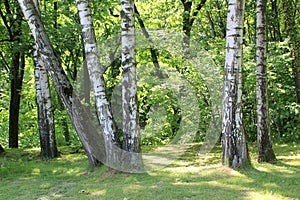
(96, 70)
(265, 151)
(13, 23)
(43, 99)
(45, 112)
(235, 151)
(80, 118)
(131, 136)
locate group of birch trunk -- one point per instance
(99, 147)
(105, 147)
(235, 150)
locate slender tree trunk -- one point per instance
(211, 23)
(96, 71)
(186, 22)
(17, 72)
(81, 118)
(63, 123)
(265, 151)
(1, 149)
(43, 99)
(153, 50)
(131, 135)
(16, 86)
(45, 112)
(188, 18)
(291, 12)
(276, 20)
(235, 151)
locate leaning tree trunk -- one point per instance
(45, 112)
(235, 151)
(131, 135)
(265, 151)
(291, 12)
(96, 71)
(80, 118)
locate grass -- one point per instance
(23, 175)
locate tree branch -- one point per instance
(154, 56)
(6, 65)
(111, 12)
(198, 8)
(6, 23)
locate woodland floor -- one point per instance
(23, 175)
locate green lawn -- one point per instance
(24, 176)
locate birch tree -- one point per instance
(265, 151)
(96, 71)
(80, 118)
(131, 137)
(43, 98)
(235, 151)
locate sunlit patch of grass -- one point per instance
(23, 175)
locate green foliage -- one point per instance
(4, 110)
(284, 111)
(207, 34)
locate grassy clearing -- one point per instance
(24, 176)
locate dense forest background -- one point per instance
(207, 23)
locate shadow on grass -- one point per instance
(24, 176)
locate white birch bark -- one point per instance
(131, 137)
(45, 112)
(96, 71)
(265, 151)
(79, 116)
(235, 152)
(43, 99)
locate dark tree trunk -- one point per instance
(17, 73)
(276, 21)
(265, 151)
(1, 149)
(211, 23)
(153, 50)
(186, 22)
(188, 18)
(297, 79)
(14, 108)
